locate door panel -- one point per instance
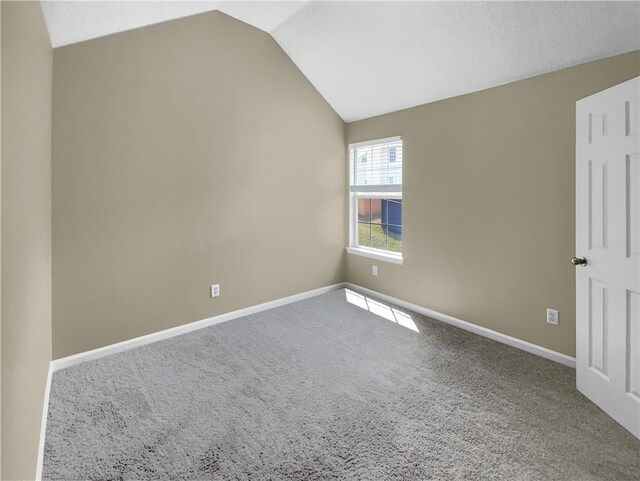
(598, 204)
(608, 235)
(598, 355)
(633, 206)
(632, 117)
(633, 335)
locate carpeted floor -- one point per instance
(323, 389)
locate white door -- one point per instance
(608, 237)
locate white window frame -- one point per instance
(370, 191)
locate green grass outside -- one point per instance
(373, 235)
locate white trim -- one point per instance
(366, 143)
(382, 190)
(43, 422)
(376, 254)
(75, 359)
(68, 361)
(467, 326)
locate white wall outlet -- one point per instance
(374, 270)
(215, 290)
(552, 317)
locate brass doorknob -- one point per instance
(579, 261)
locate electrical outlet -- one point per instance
(374, 270)
(215, 290)
(552, 317)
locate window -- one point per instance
(375, 191)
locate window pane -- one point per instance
(364, 234)
(395, 238)
(380, 223)
(364, 210)
(378, 237)
(391, 212)
(393, 221)
(377, 164)
(376, 211)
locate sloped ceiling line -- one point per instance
(370, 58)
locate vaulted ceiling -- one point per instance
(369, 58)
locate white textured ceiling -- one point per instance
(75, 21)
(369, 58)
(372, 58)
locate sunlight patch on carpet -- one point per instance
(379, 309)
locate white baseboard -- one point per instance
(468, 326)
(43, 422)
(192, 326)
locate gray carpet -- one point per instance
(323, 389)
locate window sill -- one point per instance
(376, 254)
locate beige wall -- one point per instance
(26, 232)
(187, 153)
(195, 152)
(489, 202)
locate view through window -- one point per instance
(376, 195)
